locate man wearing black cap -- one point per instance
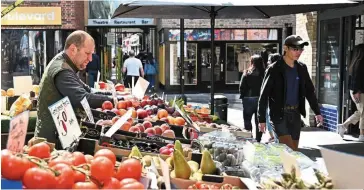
(285, 86)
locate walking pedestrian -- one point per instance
(286, 85)
(356, 87)
(133, 68)
(150, 69)
(93, 67)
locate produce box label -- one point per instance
(140, 88)
(17, 132)
(66, 122)
(87, 109)
(119, 123)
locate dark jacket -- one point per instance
(356, 79)
(95, 64)
(250, 84)
(274, 91)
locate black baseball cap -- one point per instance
(295, 41)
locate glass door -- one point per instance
(205, 67)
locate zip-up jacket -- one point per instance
(274, 89)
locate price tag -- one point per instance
(165, 172)
(87, 109)
(140, 88)
(118, 124)
(66, 122)
(17, 132)
(289, 161)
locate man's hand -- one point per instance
(357, 97)
(262, 127)
(319, 120)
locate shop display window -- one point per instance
(190, 64)
(329, 62)
(238, 58)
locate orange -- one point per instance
(171, 120)
(126, 126)
(122, 112)
(179, 121)
(134, 114)
(162, 113)
(10, 92)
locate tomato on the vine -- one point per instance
(58, 160)
(78, 158)
(39, 178)
(113, 183)
(131, 185)
(130, 168)
(79, 176)
(65, 179)
(106, 153)
(89, 158)
(40, 150)
(102, 169)
(84, 185)
(127, 181)
(13, 167)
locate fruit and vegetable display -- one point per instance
(201, 185)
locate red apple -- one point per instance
(115, 119)
(120, 87)
(146, 97)
(170, 146)
(165, 152)
(116, 111)
(141, 127)
(150, 131)
(163, 148)
(129, 104)
(158, 130)
(143, 103)
(147, 124)
(171, 150)
(102, 85)
(169, 133)
(107, 105)
(134, 129)
(165, 127)
(142, 114)
(165, 119)
(121, 105)
(154, 102)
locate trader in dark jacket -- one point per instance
(92, 68)
(60, 79)
(286, 85)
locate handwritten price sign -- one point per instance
(17, 132)
(66, 122)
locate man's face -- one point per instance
(83, 55)
(293, 52)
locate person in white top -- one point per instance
(133, 68)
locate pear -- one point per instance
(170, 163)
(198, 176)
(207, 164)
(135, 153)
(147, 160)
(193, 165)
(173, 174)
(181, 167)
(178, 146)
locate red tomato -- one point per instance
(113, 183)
(127, 181)
(66, 178)
(79, 176)
(13, 167)
(106, 153)
(89, 158)
(102, 169)
(133, 185)
(40, 150)
(78, 158)
(38, 178)
(84, 185)
(130, 168)
(58, 160)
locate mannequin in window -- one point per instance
(243, 60)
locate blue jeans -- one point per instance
(151, 80)
(92, 77)
(250, 107)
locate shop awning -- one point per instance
(192, 9)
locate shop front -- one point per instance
(231, 46)
(30, 37)
(339, 31)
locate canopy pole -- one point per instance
(212, 16)
(182, 60)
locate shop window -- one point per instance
(359, 21)
(329, 62)
(238, 58)
(190, 64)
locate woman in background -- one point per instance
(150, 69)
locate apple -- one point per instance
(163, 148)
(102, 85)
(146, 97)
(116, 111)
(147, 124)
(165, 127)
(107, 105)
(165, 152)
(142, 114)
(120, 87)
(169, 133)
(115, 119)
(165, 119)
(140, 126)
(134, 129)
(172, 150)
(154, 102)
(143, 103)
(121, 105)
(158, 130)
(149, 111)
(170, 146)
(150, 131)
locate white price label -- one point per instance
(17, 132)
(66, 122)
(118, 124)
(140, 88)
(87, 109)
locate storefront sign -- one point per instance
(121, 22)
(33, 16)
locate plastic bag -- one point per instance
(20, 105)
